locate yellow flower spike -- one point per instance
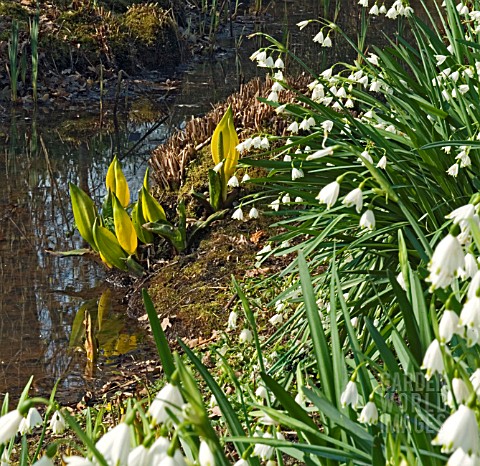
(152, 210)
(124, 229)
(223, 146)
(117, 183)
(231, 156)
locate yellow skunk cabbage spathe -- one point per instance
(117, 183)
(224, 143)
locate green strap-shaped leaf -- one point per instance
(215, 189)
(138, 220)
(109, 248)
(152, 210)
(84, 212)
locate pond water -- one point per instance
(45, 300)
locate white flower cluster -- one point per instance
(398, 8)
(329, 194)
(453, 257)
(265, 61)
(450, 260)
(257, 142)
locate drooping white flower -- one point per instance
(462, 458)
(264, 143)
(320, 153)
(253, 213)
(273, 96)
(401, 281)
(327, 125)
(261, 392)
(245, 178)
(76, 460)
(474, 287)
(275, 205)
(448, 326)
(297, 173)
(319, 38)
(453, 170)
(44, 461)
(367, 220)
(9, 424)
(382, 163)
(158, 451)
(169, 397)
(471, 267)
(115, 445)
(245, 336)
(446, 260)
(293, 127)
(363, 3)
(259, 55)
(57, 423)
(329, 194)
(279, 63)
(470, 314)
(369, 414)
(475, 379)
(354, 198)
(233, 182)
(276, 319)
(460, 430)
(350, 395)
(32, 420)
(303, 24)
(327, 42)
(374, 10)
(138, 456)
(433, 360)
(205, 455)
(265, 452)
(459, 390)
(219, 166)
(241, 462)
(232, 320)
(465, 212)
(238, 214)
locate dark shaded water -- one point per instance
(44, 299)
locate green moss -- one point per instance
(193, 291)
(13, 10)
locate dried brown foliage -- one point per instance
(170, 160)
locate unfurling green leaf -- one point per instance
(152, 210)
(109, 248)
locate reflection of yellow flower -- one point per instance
(119, 344)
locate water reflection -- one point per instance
(40, 293)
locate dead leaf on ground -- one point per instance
(165, 323)
(257, 236)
